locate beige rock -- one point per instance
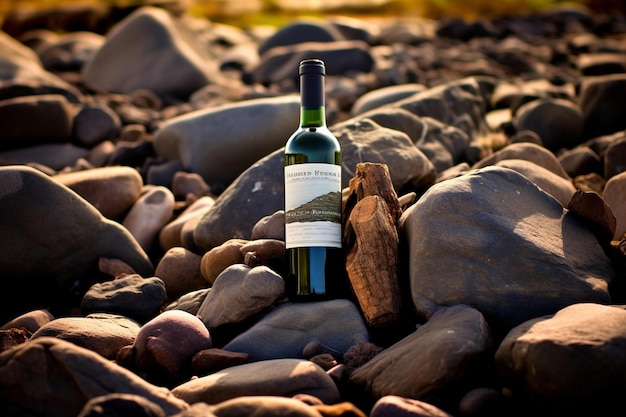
(170, 235)
(270, 227)
(30, 321)
(277, 377)
(150, 214)
(615, 197)
(104, 334)
(179, 269)
(112, 190)
(221, 257)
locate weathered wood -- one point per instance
(372, 261)
(371, 214)
(372, 178)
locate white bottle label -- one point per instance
(312, 205)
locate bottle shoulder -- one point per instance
(307, 137)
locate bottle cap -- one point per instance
(312, 66)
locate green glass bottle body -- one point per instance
(312, 194)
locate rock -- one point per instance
(23, 73)
(51, 157)
(218, 259)
(443, 145)
(121, 404)
(264, 405)
(516, 236)
(279, 377)
(240, 292)
(94, 124)
(396, 119)
(268, 252)
(133, 154)
(179, 269)
(298, 324)
(209, 141)
(342, 409)
(397, 406)
(209, 361)
(100, 154)
(185, 184)
(356, 29)
(163, 174)
(341, 57)
(407, 164)
(104, 334)
(31, 321)
(558, 187)
(112, 190)
(150, 213)
(114, 268)
(299, 31)
(614, 156)
(170, 234)
(580, 161)
(457, 336)
(69, 372)
(457, 103)
(149, 50)
(258, 192)
(526, 151)
(69, 51)
(39, 119)
(512, 94)
(615, 197)
(131, 296)
(483, 401)
(598, 64)
(187, 231)
(600, 100)
(590, 182)
(540, 360)
(593, 211)
(270, 227)
(381, 96)
(166, 345)
(558, 122)
(197, 410)
(189, 302)
(52, 239)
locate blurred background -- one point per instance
(277, 12)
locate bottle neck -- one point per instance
(312, 109)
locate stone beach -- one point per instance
(141, 196)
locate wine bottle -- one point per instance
(312, 193)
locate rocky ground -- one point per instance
(141, 203)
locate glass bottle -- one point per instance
(312, 193)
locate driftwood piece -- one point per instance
(372, 262)
(372, 178)
(372, 212)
